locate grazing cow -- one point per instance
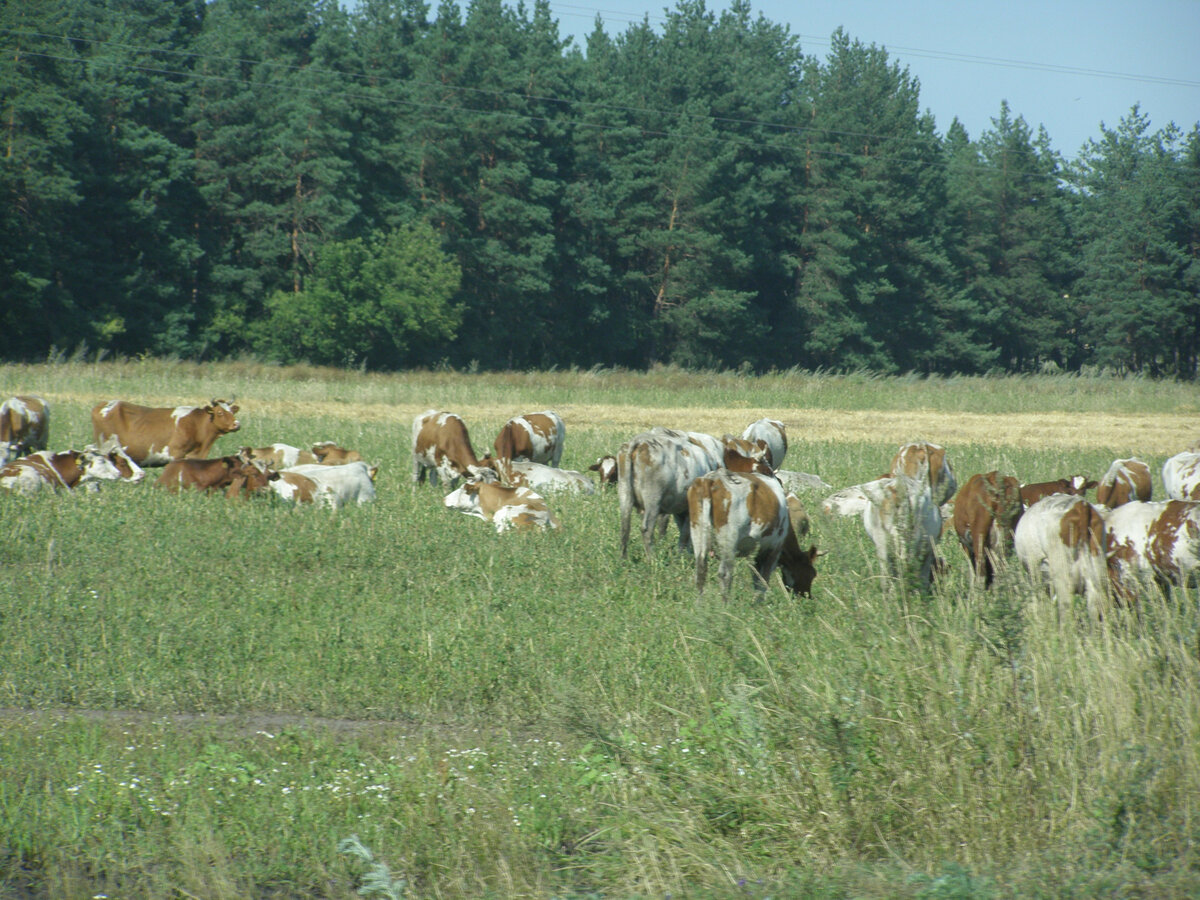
(67, 470)
(235, 475)
(352, 482)
(537, 437)
(606, 468)
(1061, 540)
(504, 507)
(1181, 476)
(741, 455)
(1125, 480)
(295, 488)
(735, 515)
(801, 481)
(279, 456)
(328, 453)
(153, 436)
(654, 471)
(986, 510)
(910, 458)
(1159, 541)
(24, 425)
(774, 435)
(1075, 486)
(442, 446)
(905, 524)
(540, 477)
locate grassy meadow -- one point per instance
(215, 699)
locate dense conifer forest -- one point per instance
(404, 186)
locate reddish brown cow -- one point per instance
(986, 511)
(280, 456)
(442, 446)
(1075, 486)
(153, 436)
(233, 474)
(1125, 480)
(328, 453)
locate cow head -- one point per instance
(799, 571)
(223, 414)
(95, 465)
(606, 468)
(130, 470)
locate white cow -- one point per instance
(1181, 476)
(1061, 540)
(853, 500)
(905, 524)
(774, 434)
(801, 481)
(540, 477)
(338, 485)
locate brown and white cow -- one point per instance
(1181, 476)
(734, 515)
(295, 487)
(606, 469)
(905, 524)
(986, 511)
(537, 437)
(654, 471)
(541, 477)
(328, 453)
(930, 458)
(505, 507)
(1125, 480)
(338, 486)
(742, 455)
(234, 475)
(24, 426)
(1062, 542)
(153, 436)
(441, 446)
(1075, 486)
(68, 469)
(279, 456)
(773, 433)
(1153, 541)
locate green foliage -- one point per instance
(385, 302)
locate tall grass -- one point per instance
(205, 698)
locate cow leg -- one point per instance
(648, 520)
(764, 566)
(685, 531)
(725, 573)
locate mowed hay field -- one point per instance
(205, 698)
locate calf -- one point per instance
(905, 524)
(336, 486)
(235, 475)
(606, 468)
(1075, 486)
(505, 507)
(442, 446)
(1159, 541)
(1125, 480)
(24, 426)
(1062, 541)
(66, 470)
(279, 456)
(1181, 476)
(986, 510)
(328, 453)
(153, 436)
(774, 435)
(735, 515)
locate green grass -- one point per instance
(206, 697)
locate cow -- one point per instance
(1062, 542)
(1125, 480)
(774, 435)
(1075, 486)
(295, 488)
(801, 481)
(742, 455)
(912, 456)
(606, 469)
(505, 507)
(538, 476)
(734, 515)
(352, 482)
(853, 500)
(24, 426)
(1153, 541)
(537, 437)
(986, 511)
(442, 446)
(235, 475)
(654, 471)
(905, 524)
(67, 470)
(1181, 476)
(328, 453)
(153, 436)
(280, 456)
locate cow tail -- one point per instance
(625, 492)
(702, 531)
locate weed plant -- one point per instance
(208, 698)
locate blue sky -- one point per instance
(1066, 65)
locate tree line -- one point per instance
(394, 186)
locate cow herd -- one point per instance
(730, 498)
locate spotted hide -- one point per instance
(441, 446)
(1061, 540)
(68, 469)
(506, 508)
(1181, 476)
(1153, 541)
(905, 524)
(24, 426)
(1125, 480)
(773, 433)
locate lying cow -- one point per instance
(153, 436)
(505, 507)
(1125, 480)
(279, 456)
(295, 487)
(541, 477)
(328, 453)
(734, 515)
(441, 446)
(986, 511)
(1181, 476)
(1075, 486)
(1153, 541)
(772, 433)
(1062, 542)
(234, 475)
(24, 426)
(336, 486)
(68, 470)
(905, 524)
